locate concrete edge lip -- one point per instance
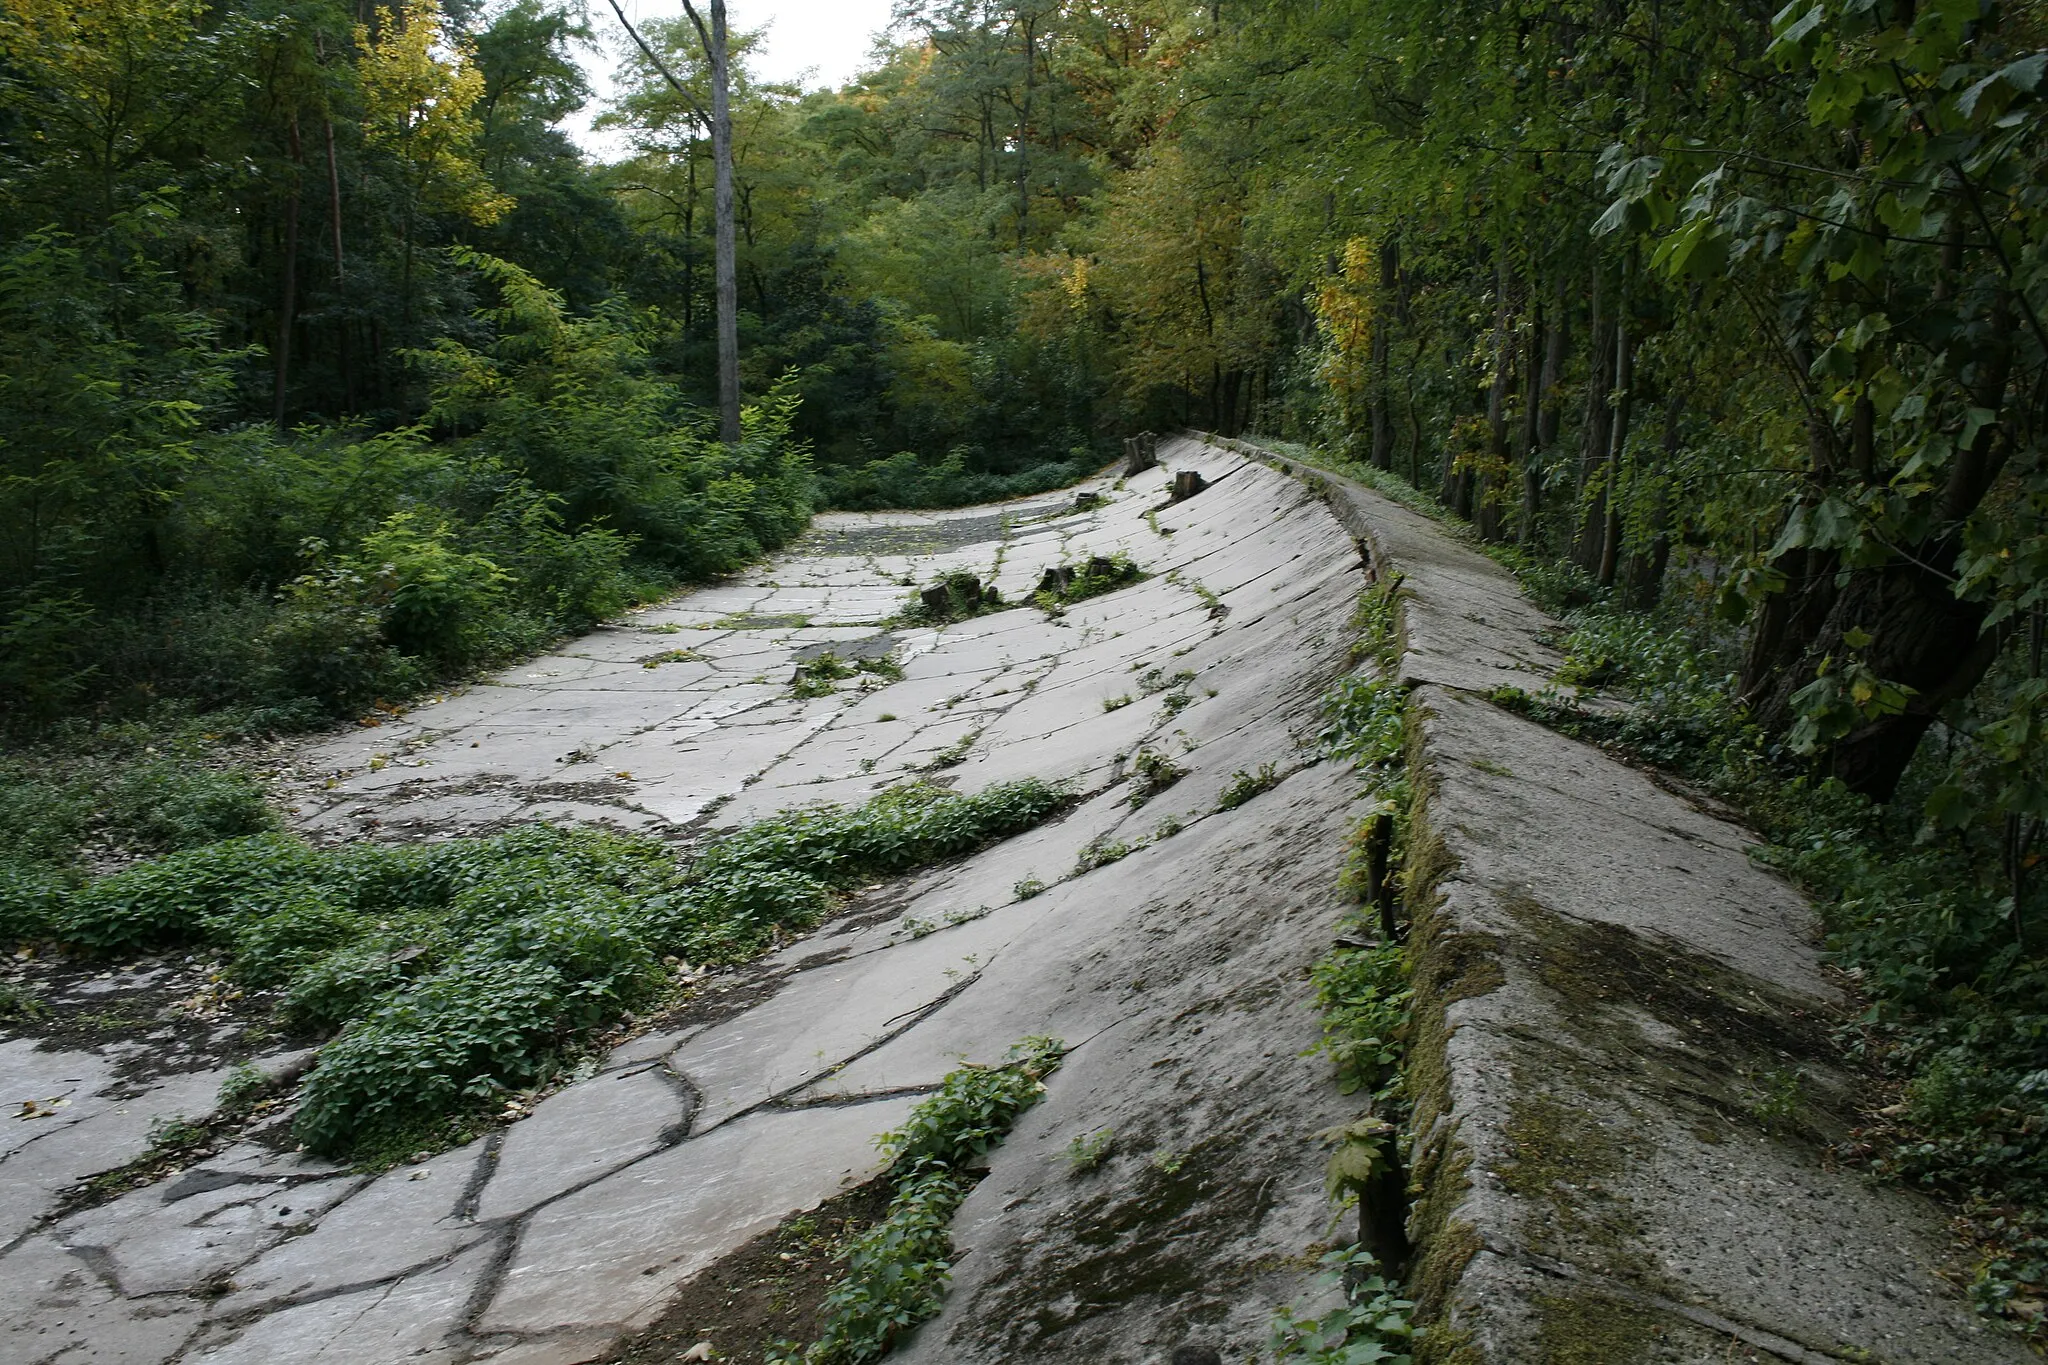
(1594, 1170)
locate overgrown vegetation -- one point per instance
(1363, 994)
(1370, 1327)
(452, 975)
(896, 1272)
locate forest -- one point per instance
(331, 369)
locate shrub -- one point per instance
(184, 898)
(169, 805)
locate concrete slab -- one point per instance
(612, 1254)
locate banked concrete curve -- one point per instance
(1608, 992)
(1167, 942)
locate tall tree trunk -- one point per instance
(288, 304)
(725, 243)
(1486, 497)
(1024, 133)
(727, 263)
(1617, 443)
(1381, 420)
(1594, 437)
(1550, 385)
(1541, 327)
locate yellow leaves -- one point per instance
(1344, 315)
(88, 38)
(418, 91)
(1171, 269)
(1074, 282)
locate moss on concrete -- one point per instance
(1587, 1328)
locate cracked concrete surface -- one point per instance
(1175, 967)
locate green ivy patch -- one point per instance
(453, 974)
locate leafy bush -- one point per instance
(183, 899)
(164, 804)
(455, 971)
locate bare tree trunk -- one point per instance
(1486, 495)
(1381, 420)
(1541, 326)
(1617, 441)
(1029, 23)
(725, 243)
(1593, 440)
(289, 303)
(727, 263)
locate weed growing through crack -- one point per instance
(1101, 852)
(897, 1271)
(19, 1002)
(1774, 1098)
(817, 677)
(239, 1092)
(1152, 773)
(1027, 888)
(1155, 680)
(1201, 590)
(458, 973)
(1372, 1326)
(883, 666)
(673, 656)
(1244, 786)
(953, 754)
(1089, 1150)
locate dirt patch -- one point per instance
(772, 1289)
(174, 1015)
(914, 538)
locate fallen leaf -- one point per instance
(701, 1351)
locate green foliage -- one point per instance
(19, 1002)
(1366, 722)
(1152, 773)
(1243, 786)
(455, 972)
(1364, 996)
(897, 1271)
(1373, 1325)
(1092, 579)
(1089, 1150)
(815, 677)
(1101, 851)
(907, 479)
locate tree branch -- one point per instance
(660, 65)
